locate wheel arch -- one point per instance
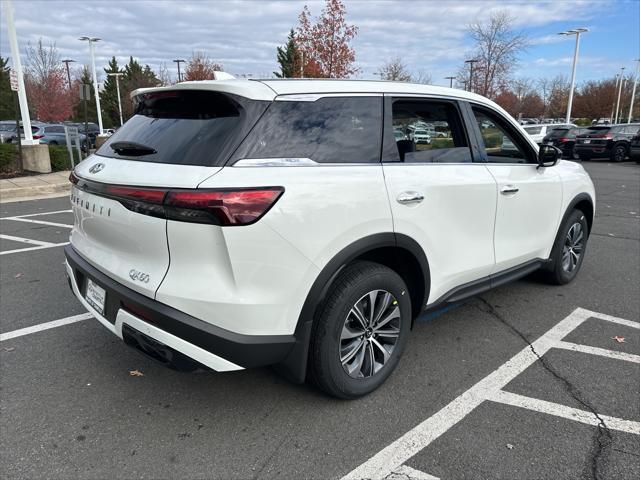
(396, 251)
(582, 202)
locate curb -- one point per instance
(33, 192)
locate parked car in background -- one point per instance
(7, 131)
(634, 147)
(55, 135)
(91, 132)
(607, 141)
(420, 135)
(538, 132)
(564, 138)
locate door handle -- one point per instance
(509, 190)
(409, 198)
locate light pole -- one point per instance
(619, 93)
(633, 92)
(576, 32)
(91, 41)
(67, 62)
(179, 61)
(471, 62)
(450, 81)
(118, 75)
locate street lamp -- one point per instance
(179, 61)
(450, 81)
(619, 93)
(67, 62)
(471, 62)
(576, 32)
(118, 75)
(633, 92)
(91, 41)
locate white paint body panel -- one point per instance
(527, 220)
(254, 279)
(454, 222)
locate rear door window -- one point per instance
(429, 131)
(327, 130)
(186, 127)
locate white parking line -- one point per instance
(36, 214)
(583, 416)
(44, 326)
(39, 222)
(30, 249)
(407, 473)
(26, 240)
(390, 458)
(629, 357)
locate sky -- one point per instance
(429, 36)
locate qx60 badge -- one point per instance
(138, 276)
(96, 168)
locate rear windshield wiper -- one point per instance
(131, 149)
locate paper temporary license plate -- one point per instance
(95, 296)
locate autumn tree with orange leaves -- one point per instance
(201, 67)
(324, 44)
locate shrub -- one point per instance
(60, 158)
(8, 157)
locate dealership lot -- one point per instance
(470, 399)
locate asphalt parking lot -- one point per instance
(525, 381)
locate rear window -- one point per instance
(533, 130)
(596, 130)
(328, 130)
(191, 127)
(558, 132)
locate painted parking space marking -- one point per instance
(36, 214)
(405, 472)
(603, 352)
(44, 326)
(39, 222)
(39, 245)
(26, 240)
(551, 408)
(392, 457)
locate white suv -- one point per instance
(241, 223)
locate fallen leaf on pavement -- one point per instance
(618, 339)
(17, 275)
(509, 446)
(136, 373)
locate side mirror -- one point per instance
(548, 155)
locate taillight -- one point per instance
(225, 207)
(37, 137)
(221, 207)
(562, 140)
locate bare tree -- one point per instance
(163, 75)
(497, 49)
(395, 70)
(421, 77)
(42, 61)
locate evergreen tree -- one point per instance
(287, 57)
(109, 96)
(6, 101)
(78, 109)
(135, 76)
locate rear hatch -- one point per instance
(175, 141)
(595, 136)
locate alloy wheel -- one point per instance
(369, 335)
(573, 247)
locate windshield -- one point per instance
(190, 127)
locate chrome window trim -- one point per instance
(276, 162)
(312, 97)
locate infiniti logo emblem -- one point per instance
(96, 168)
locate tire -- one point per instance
(336, 346)
(560, 272)
(619, 153)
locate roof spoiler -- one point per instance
(219, 75)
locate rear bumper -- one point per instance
(592, 150)
(212, 346)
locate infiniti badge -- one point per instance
(96, 168)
